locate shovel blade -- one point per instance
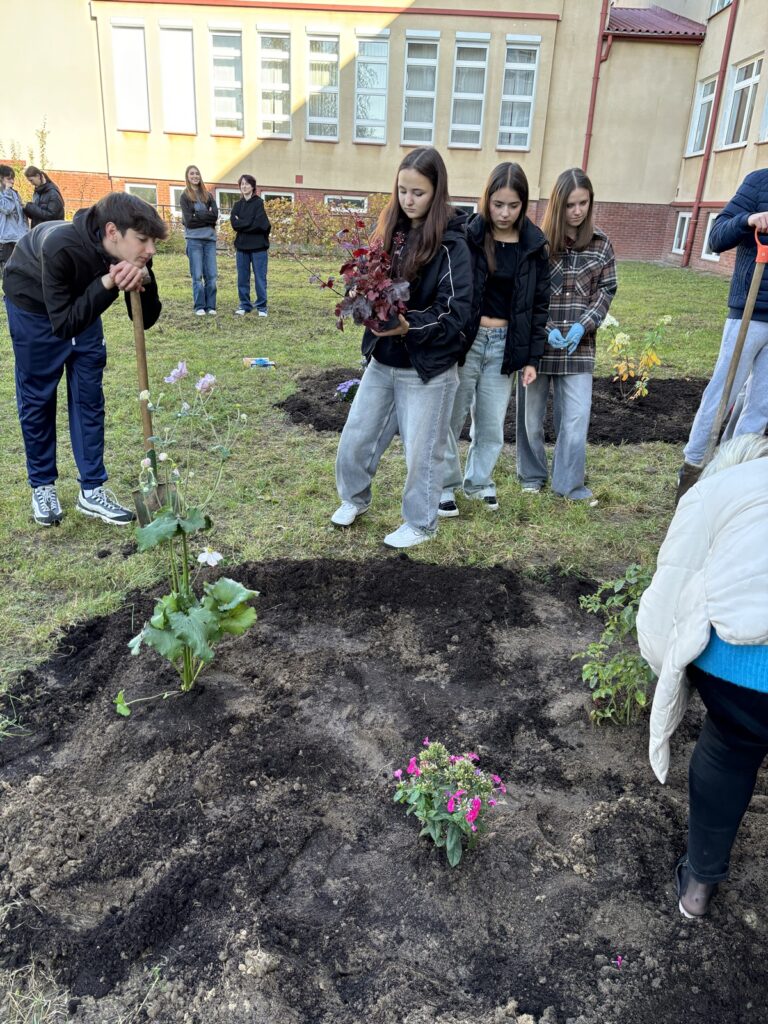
(149, 503)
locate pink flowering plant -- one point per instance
(449, 794)
(185, 627)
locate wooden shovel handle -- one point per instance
(141, 366)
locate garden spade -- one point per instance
(761, 259)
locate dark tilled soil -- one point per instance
(242, 841)
(665, 414)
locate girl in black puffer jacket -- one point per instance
(507, 331)
(47, 203)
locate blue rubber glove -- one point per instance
(573, 337)
(556, 339)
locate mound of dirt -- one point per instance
(665, 414)
(234, 856)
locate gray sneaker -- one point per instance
(45, 505)
(102, 504)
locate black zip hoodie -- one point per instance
(528, 298)
(46, 204)
(439, 307)
(56, 271)
(251, 224)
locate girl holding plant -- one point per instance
(411, 377)
(583, 285)
(507, 330)
(199, 214)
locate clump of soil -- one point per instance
(665, 414)
(242, 840)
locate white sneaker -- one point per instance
(531, 489)
(199, 312)
(102, 504)
(406, 536)
(211, 312)
(347, 513)
(45, 505)
(240, 312)
(262, 312)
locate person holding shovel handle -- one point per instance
(60, 279)
(744, 216)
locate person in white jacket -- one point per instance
(703, 623)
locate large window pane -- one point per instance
(517, 98)
(227, 82)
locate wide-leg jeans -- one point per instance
(201, 253)
(389, 398)
(244, 261)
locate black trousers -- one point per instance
(723, 770)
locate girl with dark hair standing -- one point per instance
(251, 226)
(199, 214)
(507, 330)
(583, 285)
(47, 203)
(412, 375)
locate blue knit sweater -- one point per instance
(731, 230)
(743, 664)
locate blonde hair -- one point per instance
(743, 448)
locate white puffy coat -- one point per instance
(712, 570)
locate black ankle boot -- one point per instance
(693, 897)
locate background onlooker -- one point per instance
(251, 226)
(199, 214)
(13, 224)
(47, 203)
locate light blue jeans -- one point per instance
(572, 404)
(485, 391)
(754, 412)
(388, 397)
(201, 253)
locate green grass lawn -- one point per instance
(278, 491)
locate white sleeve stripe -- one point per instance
(449, 274)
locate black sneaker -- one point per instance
(45, 505)
(102, 504)
(447, 509)
(492, 502)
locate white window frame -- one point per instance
(682, 227)
(224, 214)
(701, 100)
(131, 185)
(763, 136)
(323, 90)
(532, 43)
(175, 205)
(382, 38)
(462, 204)
(479, 41)
(269, 196)
(426, 37)
(718, 5)
(341, 204)
(178, 81)
(129, 75)
(235, 87)
(280, 56)
(706, 252)
(734, 90)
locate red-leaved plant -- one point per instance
(371, 297)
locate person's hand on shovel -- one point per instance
(759, 221)
(126, 276)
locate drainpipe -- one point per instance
(95, 21)
(721, 76)
(599, 58)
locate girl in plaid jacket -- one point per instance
(583, 286)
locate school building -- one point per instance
(665, 105)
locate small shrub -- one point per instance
(449, 795)
(632, 370)
(618, 677)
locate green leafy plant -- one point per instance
(449, 795)
(632, 369)
(185, 627)
(618, 677)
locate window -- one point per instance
(227, 83)
(742, 103)
(702, 115)
(275, 100)
(146, 192)
(706, 252)
(681, 232)
(371, 74)
(419, 92)
(718, 5)
(518, 90)
(346, 204)
(175, 192)
(286, 197)
(177, 68)
(226, 199)
(469, 67)
(466, 207)
(130, 68)
(763, 137)
(323, 93)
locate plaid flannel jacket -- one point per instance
(583, 287)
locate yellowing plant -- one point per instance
(633, 371)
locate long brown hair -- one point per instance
(554, 224)
(506, 175)
(423, 241)
(197, 193)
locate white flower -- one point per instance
(610, 321)
(209, 557)
(162, 457)
(144, 396)
(665, 321)
(146, 463)
(243, 418)
(185, 406)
